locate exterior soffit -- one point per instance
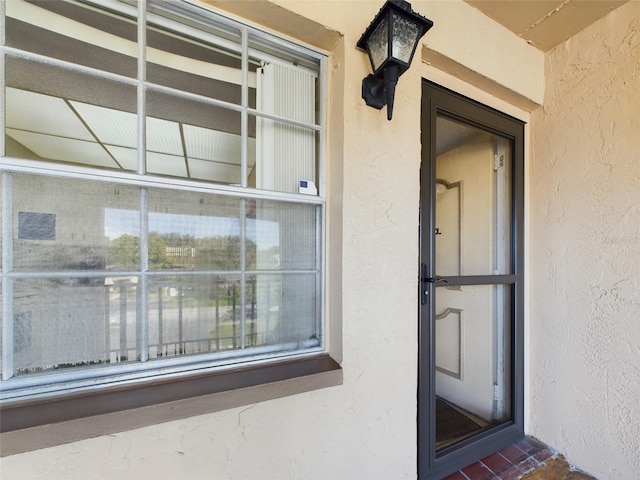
(545, 23)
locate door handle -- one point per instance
(435, 280)
(427, 279)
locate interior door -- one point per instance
(470, 385)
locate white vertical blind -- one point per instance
(286, 153)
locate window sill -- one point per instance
(33, 424)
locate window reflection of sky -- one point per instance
(118, 222)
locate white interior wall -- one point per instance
(471, 164)
(585, 250)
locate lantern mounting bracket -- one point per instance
(378, 92)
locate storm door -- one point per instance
(471, 292)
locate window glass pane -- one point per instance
(193, 140)
(2, 352)
(287, 84)
(59, 115)
(73, 322)
(285, 311)
(195, 57)
(228, 276)
(252, 153)
(283, 235)
(76, 32)
(67, 224)
(209, 314)
(473, 206)
(473, 360)
(285, 156)
(193, 231)
(2, 179)
(194, 314)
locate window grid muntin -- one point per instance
(145, 367)
(7, 283)
(141, 179)
(62, 274)
(143, 89)
(141, 109)
(10, 164)
(36, 57)
(142, 297)
(244, 118)
(157, 21)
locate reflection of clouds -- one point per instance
(264, 233)
(118, 222)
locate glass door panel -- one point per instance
(472, 238)
(473, 357)
(473, 181)
(470, 394)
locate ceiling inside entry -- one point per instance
(66, 130)
(546, 23)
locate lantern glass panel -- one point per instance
(405, 36)
(378, 45)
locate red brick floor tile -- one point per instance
(522, 458)
(528, 464)
(513, 454)
(526, 446)
(543, 455)
(455, 476)
(511, 474)
(477, 471)
(497, 463)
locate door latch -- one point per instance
(425, 280)
(434, 280)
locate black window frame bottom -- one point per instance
(32, 424)
(432, 465)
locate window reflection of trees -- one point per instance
(174, 252)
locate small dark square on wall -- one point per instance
(36, 226)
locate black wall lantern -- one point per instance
(390, 41)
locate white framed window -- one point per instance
(163, 202)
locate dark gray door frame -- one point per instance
(437, 100)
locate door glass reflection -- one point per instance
(473, 183)
(473, 356)
(472, 322)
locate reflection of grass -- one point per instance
(224, 334)
(211, 311)
(191, 302)
(192, 297)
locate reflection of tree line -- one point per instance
(175, 251)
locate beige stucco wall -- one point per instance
(365, 428)
(585, 250)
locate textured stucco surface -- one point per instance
(584, 394)
(365, 428)
(584, 282)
